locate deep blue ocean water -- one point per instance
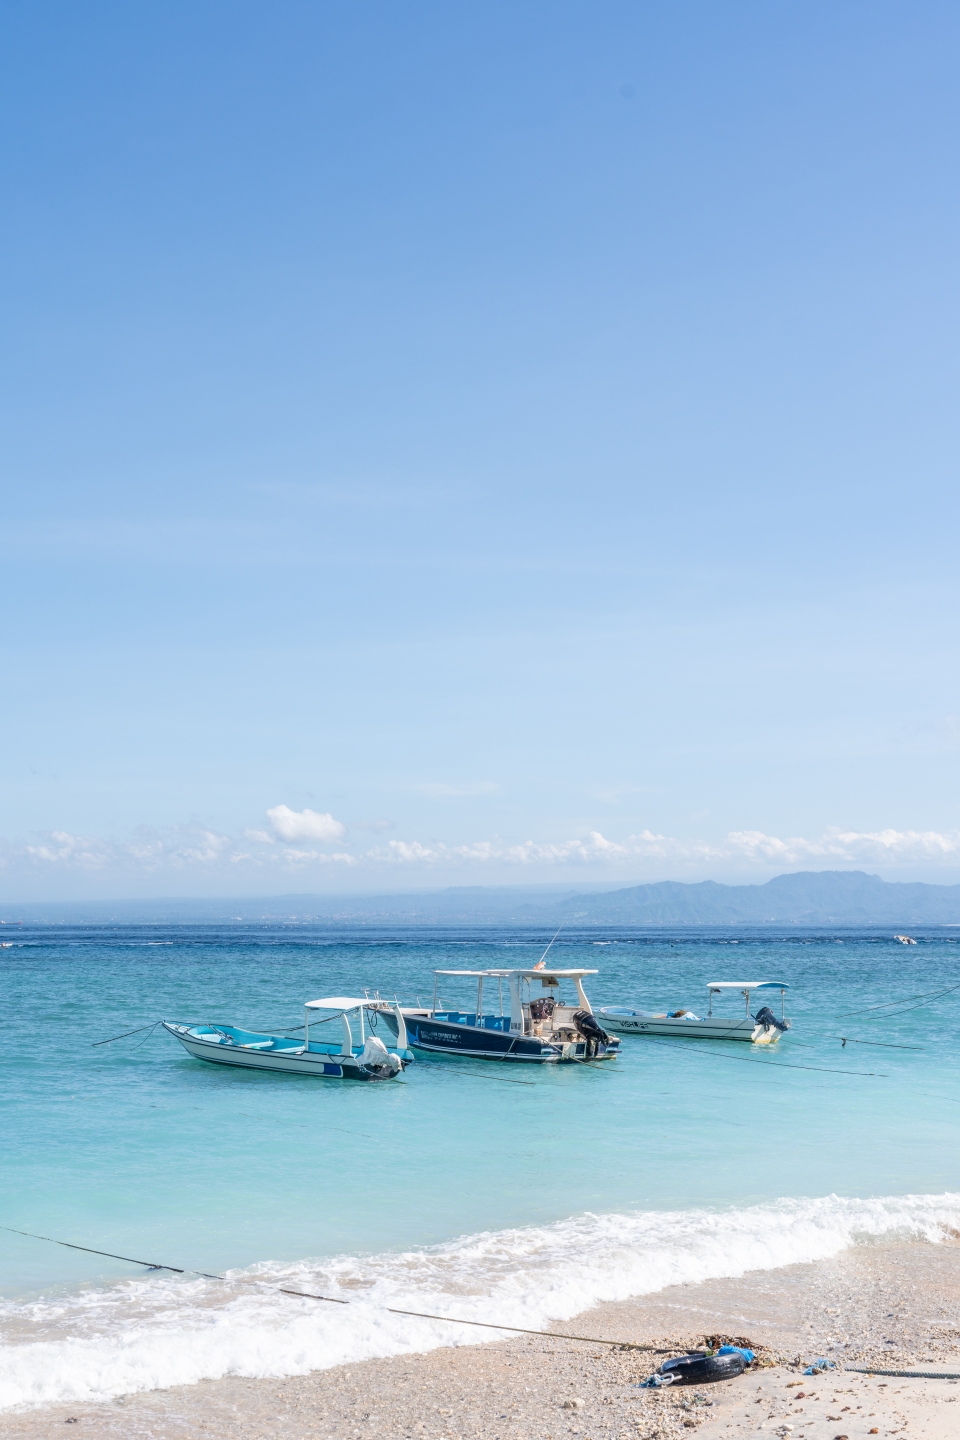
(445, 1184)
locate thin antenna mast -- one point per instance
(539, 964)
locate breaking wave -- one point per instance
(157, 1331)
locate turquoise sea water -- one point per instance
(452, 1186)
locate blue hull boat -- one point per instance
(536, 1028)
(454, 1032)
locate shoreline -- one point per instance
(895, 1306)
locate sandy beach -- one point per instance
(893, 1307)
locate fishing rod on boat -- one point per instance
(334, 1300)
(547, 951)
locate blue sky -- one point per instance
(477, 443)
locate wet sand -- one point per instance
(893, 1307)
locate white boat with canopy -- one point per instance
(363, 1058)
(529, 1019)
(762, 1028)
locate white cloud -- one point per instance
(324, 857)
(848, 845)
(304, 824)
(187, 850)
(835, 846)
(146, 850)
(59, 847)
(403, 850)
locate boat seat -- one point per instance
(257, 1044)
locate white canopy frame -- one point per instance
(343, 1003)
(717, 987)
(549, 978)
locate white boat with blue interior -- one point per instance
(762, 1028)
(370, 1059)
(529, 1020)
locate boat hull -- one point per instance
(315, 1064)
(709, 1028)
(443, 1037)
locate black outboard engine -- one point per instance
(767, 1017)
(587, 1026)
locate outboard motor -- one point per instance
(767, 1017)
(591, 1031)
(768, 1027)
(377, 1059)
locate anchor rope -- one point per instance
(333, 1300)
(926, 996)
(903, 1374)
(880, 1044)
(124, 1035)
(775, 1064)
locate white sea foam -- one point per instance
(155, 1332)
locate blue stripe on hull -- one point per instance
(446, 1038)
(314, 1073)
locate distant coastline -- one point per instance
(806, 898)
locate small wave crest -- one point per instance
(154, 1332)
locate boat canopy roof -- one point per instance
(532, 973)
(340, 1002)
(747, 985)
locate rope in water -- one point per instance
(880, 1044)
(332, 1300)
(927, 995)
(775, 1064)
(124, 1035)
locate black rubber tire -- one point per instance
(703, 1369)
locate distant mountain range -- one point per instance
(810, 898)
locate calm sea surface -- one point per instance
(456, 1187)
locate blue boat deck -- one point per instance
(465, 1017)
(252, 1040)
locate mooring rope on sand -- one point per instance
(333, 1300)
(902, 1374)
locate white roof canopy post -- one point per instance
(343, 1003)
(401, 1027)
(716, 987)
(306, 1030)
(516, 1003)
(514, 979)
